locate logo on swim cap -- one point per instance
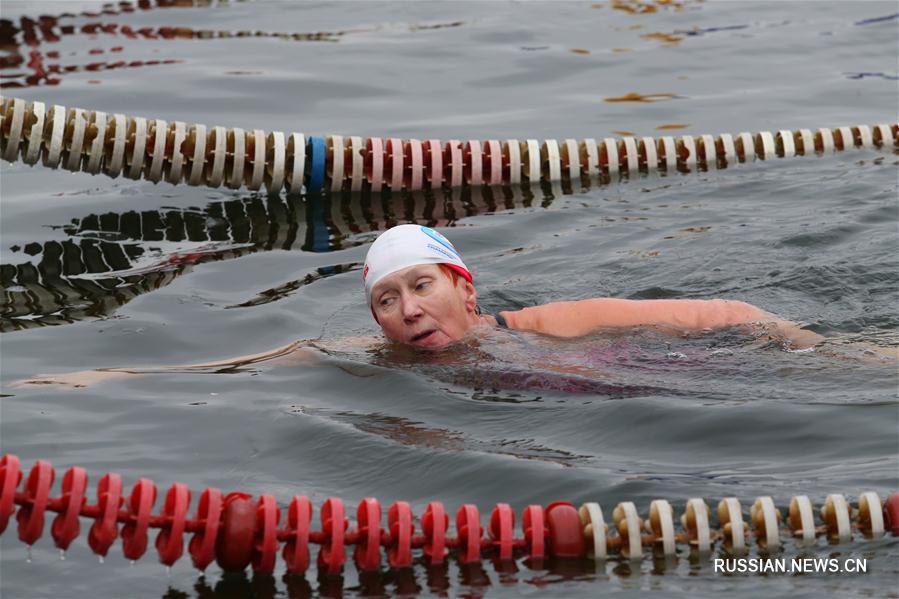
(440, 239)
(440, 250)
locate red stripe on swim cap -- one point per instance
(459, 271)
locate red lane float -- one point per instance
(468, 527)
(234, 546)
(367, 554)
(140, 504)
(502, 524)
(66, 527)
(170, 541)
(566, 535)
(37, 492)
(399, 550)
(434, 524)
(237, 531)
(331, 555)
(202, 544)
(105, 529)
(10, 476)
(265, 545)
(534, 532)
(891, 514)
(296, 550)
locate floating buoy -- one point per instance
(177, 152)
(239, 531)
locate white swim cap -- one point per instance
(408, 245)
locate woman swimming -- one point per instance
(422, 294)
(423, 297)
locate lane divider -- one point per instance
(237, 530)
(136, 147)
(83, 277)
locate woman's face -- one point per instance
(424, 306)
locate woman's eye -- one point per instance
(422, 285)
(386, 302)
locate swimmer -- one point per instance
(422, 295)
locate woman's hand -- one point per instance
(72, 380)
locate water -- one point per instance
(636, 417)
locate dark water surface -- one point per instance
(121, 273)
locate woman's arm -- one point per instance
(298, 352)
(576, 318)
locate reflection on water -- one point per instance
(453, 578)
(635, 97)
(21, 41)
(415, 434)
(440, 579)
(112, 258)
(24, 65)
(51, 74)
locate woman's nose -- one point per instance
(411, 308)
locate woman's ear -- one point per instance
(471, 296)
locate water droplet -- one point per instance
(102, 560)
(804, 350)
(28, 554)
(62, 555)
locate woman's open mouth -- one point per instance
(425, 337)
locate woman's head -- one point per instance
(418, 288)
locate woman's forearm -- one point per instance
(576, 318)
(296, 352)
(273, 354)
